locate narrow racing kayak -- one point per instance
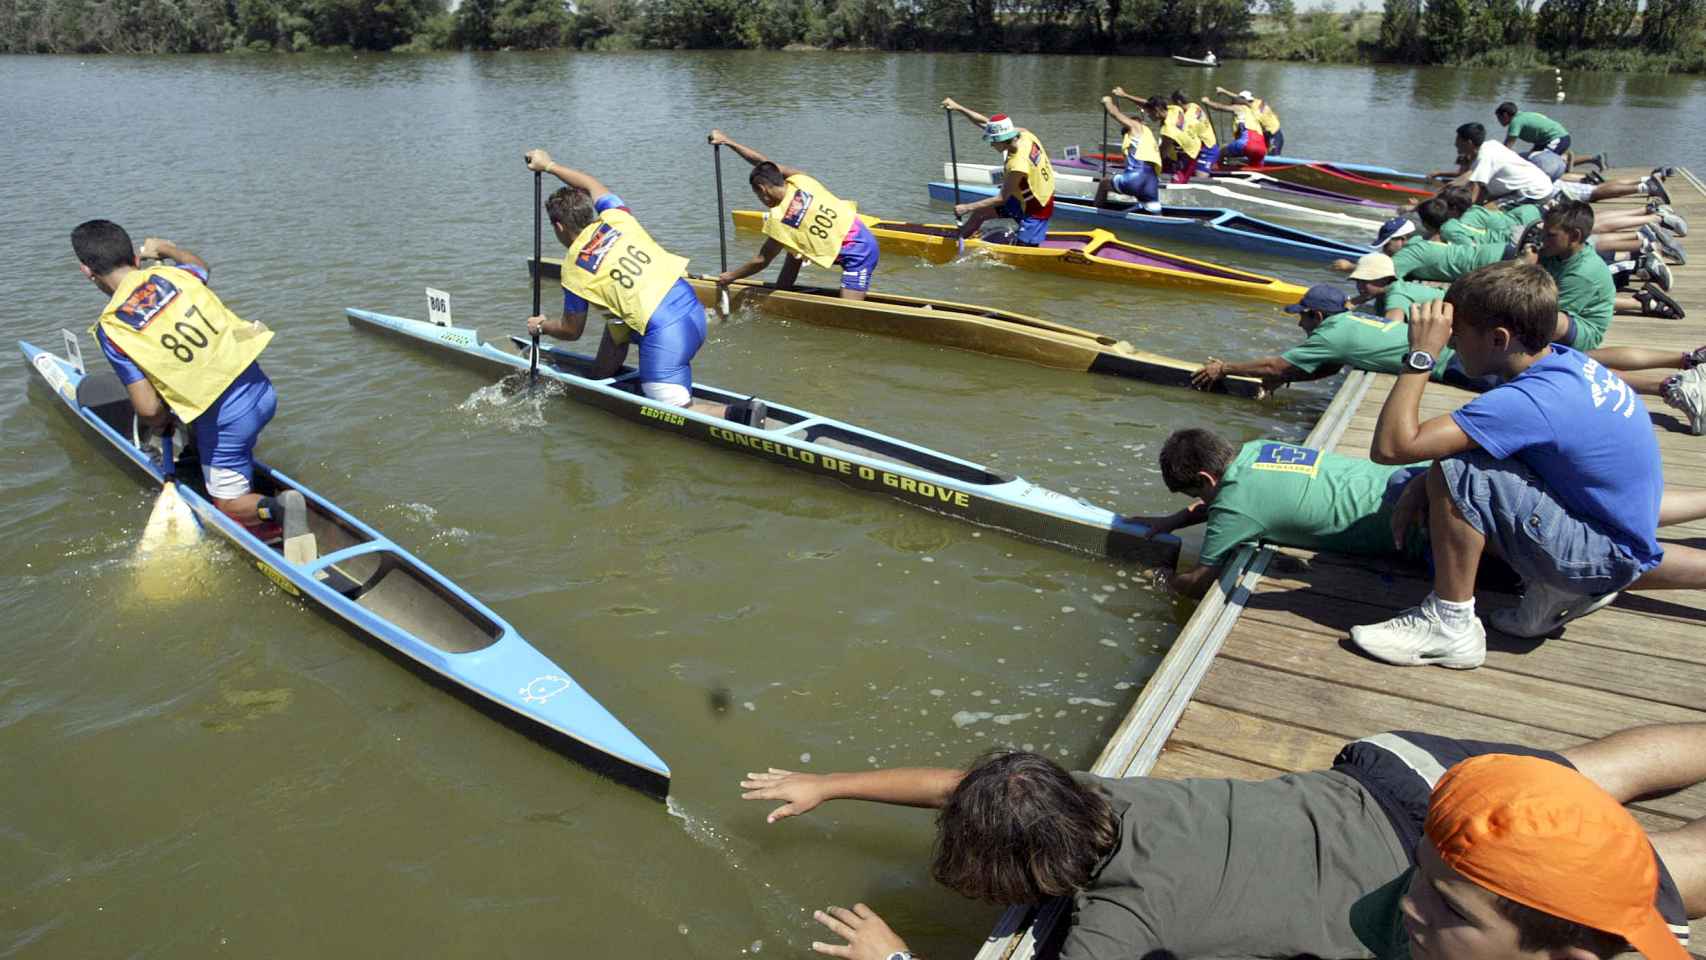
(1341, 181)
(1087, 254)
(360, 578)
(1210, 226)
(1243, 197)
(1195, 61)
(860, 458)
(1000, 333)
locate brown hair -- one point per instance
(1518, 296)
(572, 208)
(1018, 829)
(1572, 215)
(1190, 452)
(102, 246)
(1539, 930)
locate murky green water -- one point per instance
(196, 765)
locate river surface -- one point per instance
(197, 765)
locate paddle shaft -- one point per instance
(538, 204)
(1103, 152)
(722, 228)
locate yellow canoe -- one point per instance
(1000, 333)
(1089, 254)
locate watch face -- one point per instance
(1419, 361)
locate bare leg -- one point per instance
(976, 219)
(1605, 242)
(1623, 220)
(848, 293)
(1457, 546)
(1683, 568)
(1681, 504)
(1642, 761)
(1612, 189)
(1648, 383)
(243, 509)
(1623, 359)
(1684, 854)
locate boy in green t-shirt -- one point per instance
(1542, 132)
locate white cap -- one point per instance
(1374, 266)
(1246, 95)
(1000, 127)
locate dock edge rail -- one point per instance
(1137, 743)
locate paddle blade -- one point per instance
(171, 524)
(723, 301)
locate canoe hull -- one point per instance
(1209, 226)
(1328, 179)
(368, 584)
(820, 446)
(1086, 254)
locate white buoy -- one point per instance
(1560, 96)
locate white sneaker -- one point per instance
(1673, 222)
(1687, 392)
(1417, 638)
(1544, 609)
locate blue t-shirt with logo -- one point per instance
(1587, 435)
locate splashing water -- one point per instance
(172, 523)
(512, 404)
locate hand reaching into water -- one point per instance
(867, 936)
(802, 792)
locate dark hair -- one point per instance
(102, 246)
(1156, 105)
(1538, 930)
(1506, 107)
(1018, 829)
(1179, 97)
(1189, 452)
(766, 174)
(1573, 215)
(1458, 198)
(1472, 132)
(571, 207)
(1518, 296)
(1434, 213)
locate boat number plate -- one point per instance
(438, 307)
(74, 351)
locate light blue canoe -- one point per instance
(1208, 226)
(1361, 169)
(365, 581)
(860, 458)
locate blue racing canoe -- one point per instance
(381, 591)
(860, 458)
(1209, 226)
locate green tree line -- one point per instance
(1667, 32)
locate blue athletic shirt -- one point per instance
(1587, 435)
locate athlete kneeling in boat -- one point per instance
(1027, 187)
(614, 263)
(181, 353)
(809, 222)
(1141, 179)
(1249, 141)
(1313, 863)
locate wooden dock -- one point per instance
(1263, 681)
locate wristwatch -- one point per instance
(1418, 361)
(899, 955)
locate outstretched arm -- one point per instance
(971, 115)
(1272, 371)
(540, 162)
(1216, 105)
(766, 254)
(154, 248)
(801, 792)
(1115, 112)
(748, 154)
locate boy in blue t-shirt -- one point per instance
(1555, 470)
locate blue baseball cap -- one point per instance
(1321, 298)
(1395, 227)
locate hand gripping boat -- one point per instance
(1087, 254)
(1000, 333)
(364, 580)
(860, 458)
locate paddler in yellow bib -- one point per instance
(612, 262)
(1195, 119)
(182, 354)
(1249, 141)
(1027, 188)
(806, 220)
(1141, 178)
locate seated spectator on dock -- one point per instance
(1556, 471)
(1313, 863)
(1336, 337)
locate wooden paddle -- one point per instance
(954, 162)
(538, 204)
(171, 522)
(722, 229)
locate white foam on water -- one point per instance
(512, 404)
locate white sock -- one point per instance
(1456, 617)
(1641, 188)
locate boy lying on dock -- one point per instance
(1556, 471)
(1468, 847)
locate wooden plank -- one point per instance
(1182, 762)
(1252, 739)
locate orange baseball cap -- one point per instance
(1543, 835)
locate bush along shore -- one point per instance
(1665, 37)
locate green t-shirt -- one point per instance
(1359, 341)
(1586, 292)
(1299, 497)
(1432, 260)
(1536, 128)
(1402, 294)
(1458, 231)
